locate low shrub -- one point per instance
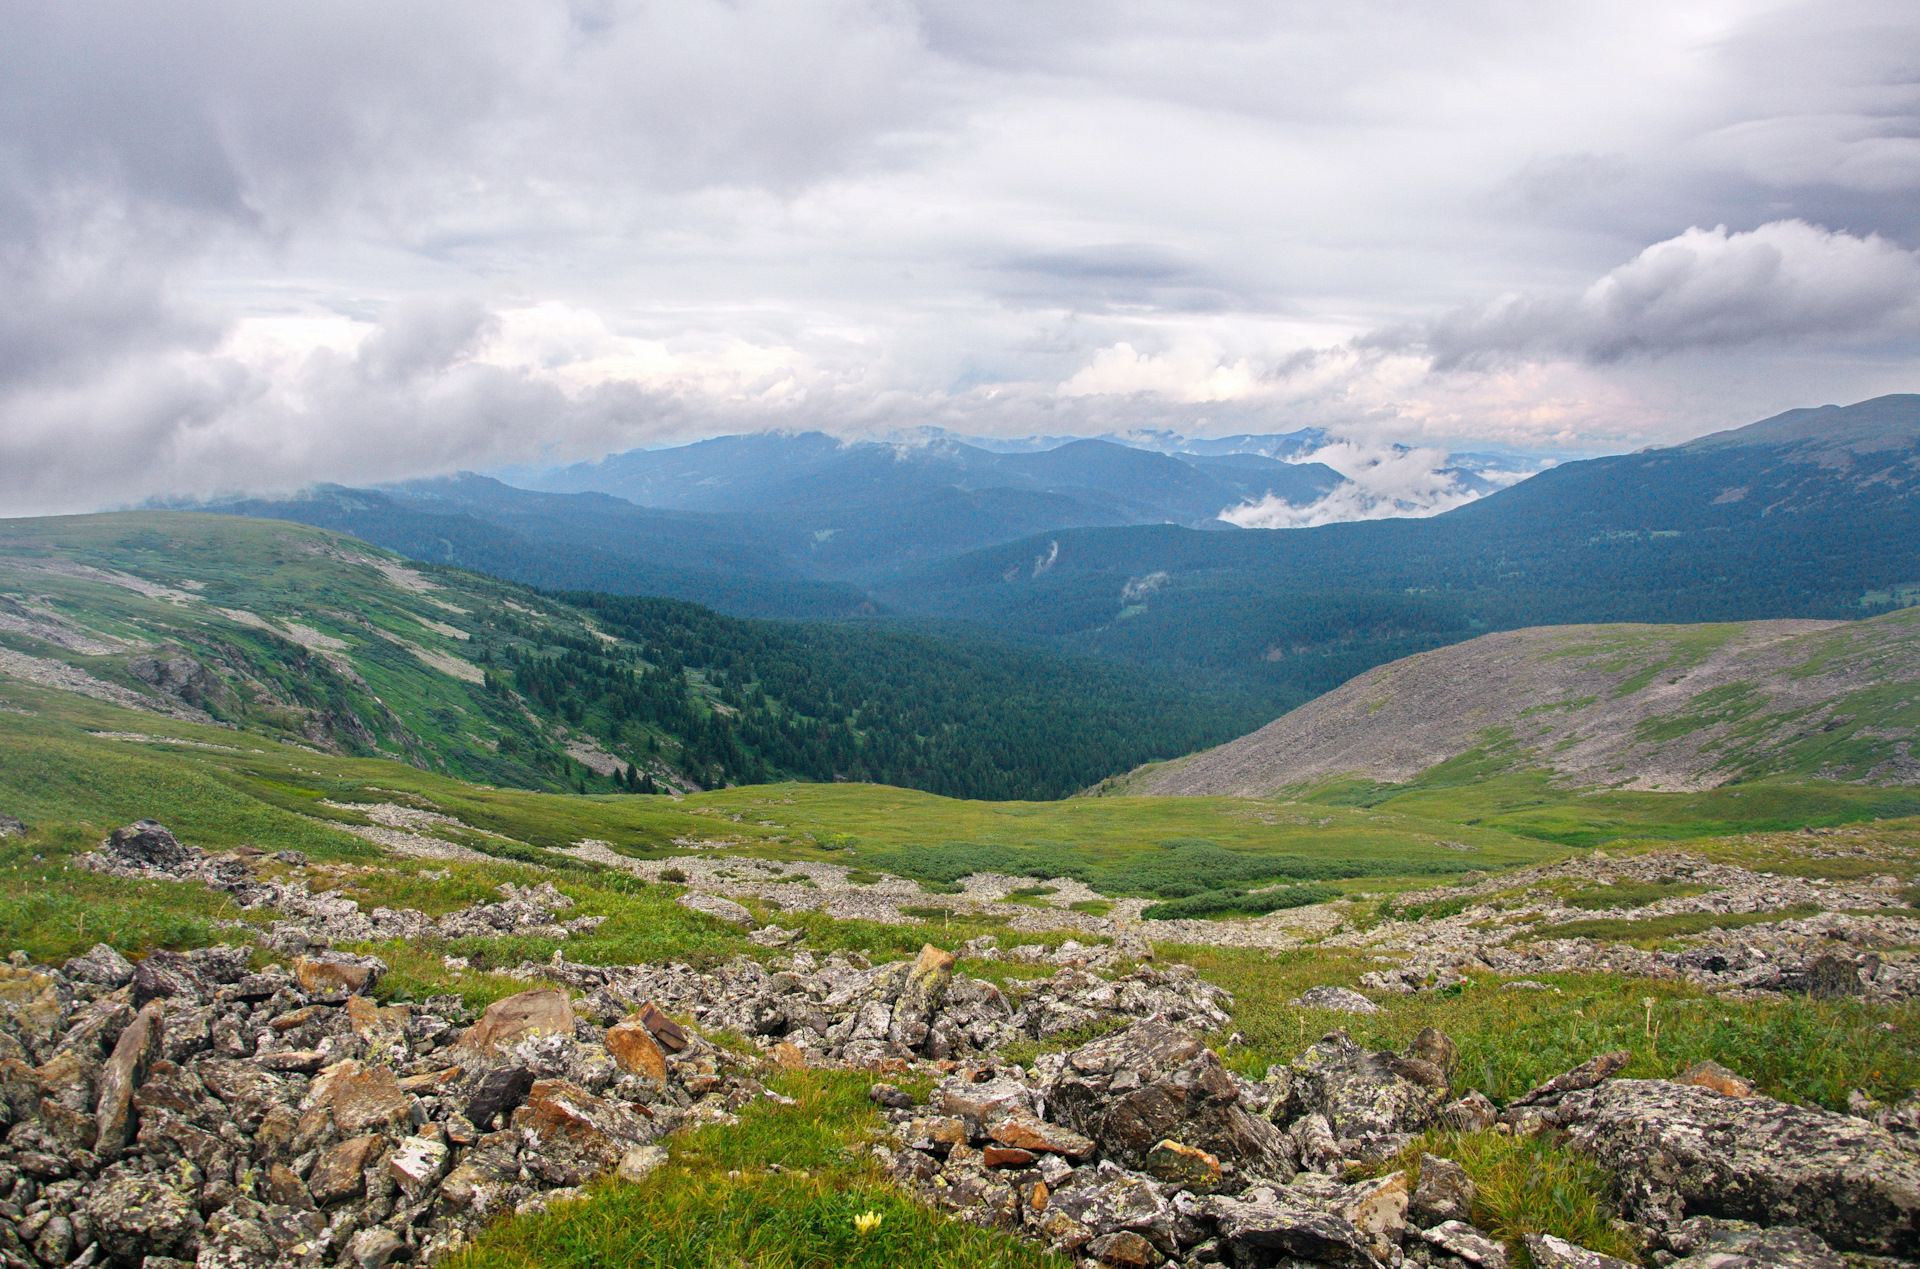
(1240, 902)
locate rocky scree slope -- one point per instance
(1142, 1149)
(190, 1109)
(1638, 707)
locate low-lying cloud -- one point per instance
(1383, 482)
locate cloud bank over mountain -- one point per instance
(253, 246)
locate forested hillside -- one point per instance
(1821, 522)
(305, 634)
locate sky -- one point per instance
(250, 247)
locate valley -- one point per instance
(531, 927)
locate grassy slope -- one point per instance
(720, 1200)
(228, 788)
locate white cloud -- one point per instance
(249, 244)
(1383, 482)
(1701, 289)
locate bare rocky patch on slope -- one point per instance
(1673, 708)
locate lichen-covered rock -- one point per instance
(1266, 1224)
(1706, 1243)
(1152, 1082)
(1549, 1252)
(1680, 1150)
(1445, 1193)
(101, 966)
(716, 907)
(139, 1216)
(1339, 999)
(1363, 1095)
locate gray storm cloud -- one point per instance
(255, 246)
(1705, 288)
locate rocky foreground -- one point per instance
(190, 1109)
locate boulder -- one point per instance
(101, 966)
(542, 1011)
(1363, 1095)
(573, 1136)
(1681, 1150)
(147, 845)
(635, 1049)
(1549, 1252)
(1339, 999)
(716, 907)
(1153, 1082)
(138, 1216)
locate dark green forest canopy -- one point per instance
(752, 701)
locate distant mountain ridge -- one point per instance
(1671, 708)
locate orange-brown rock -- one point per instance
(1712, 1075)
(670, 1035)
(575, 1136)
(1041, 1137)
(1006, 1157)
(360, 1098)
(543, 1011)
(636, 1051)
(340, 1173)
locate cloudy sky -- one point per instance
(252, 246)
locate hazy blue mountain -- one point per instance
(866, 510)
(1815, 513)
(589, 543)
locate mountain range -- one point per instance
(1117, 550)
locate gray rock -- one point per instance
(101, 966)
(1362, 1094)
(1457, 1238)
(714, 906)
(1341, 999)
(1680, 1150)
(148, 846)
(1707, 1243)
(1153, 1082)
(1549, 1252)
(11, 826)
(1444, 1195)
